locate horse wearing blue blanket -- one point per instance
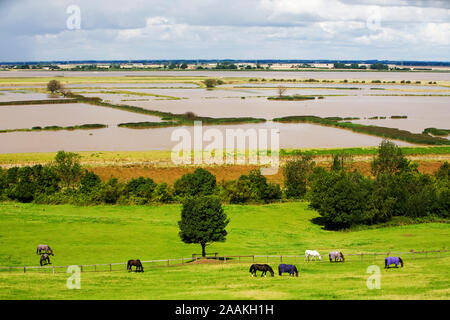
(392, 260)
(289, 268)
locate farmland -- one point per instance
(108, 234)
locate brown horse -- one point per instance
(137, 263)
(45, 248)
(45, 259)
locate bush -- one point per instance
(89, 182)
(199, 183)
(142, 188)
(110, 191)
(295, 174)
(162, 193)
(339, 197)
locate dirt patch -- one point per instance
(407, 235)
(206, 261)
(223, 173)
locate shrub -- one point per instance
(295, 174)
(141, 188)
(199, 183)
(89, 182)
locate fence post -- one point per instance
(281, 258)
(253, 258)
(439, 253)
(24, 269)
(225, 259)
(168, 262)
(374, 257)
(110, 269)
(81, 268)
(53, 269)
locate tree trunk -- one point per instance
(203, 249)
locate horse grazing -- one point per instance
(261, 267)
(45, 248)
(392, 260)
(45, 259)
(336, 255)
(137, 263)
(312, 253)
(291, 269)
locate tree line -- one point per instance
(341, 194)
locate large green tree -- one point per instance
(390, 160)
(68, 168)
(203, 221)
(295, 174)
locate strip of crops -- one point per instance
(57, 128)
(385, 132)
(28, 102)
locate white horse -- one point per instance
(313, 254)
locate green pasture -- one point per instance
(114, 234)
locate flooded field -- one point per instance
(237, 98)
(122, 139)
(20, 117)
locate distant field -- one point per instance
(107, 234)
(165, 156)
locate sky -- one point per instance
(50, 30)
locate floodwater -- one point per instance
(117, 139)
(232, 100)
(28, 116)
(23, 95)
(422, 112)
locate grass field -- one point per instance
(109, 234)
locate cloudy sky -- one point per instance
(217, 29)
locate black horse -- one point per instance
(45, 259)
(261, 267)
(137, 263)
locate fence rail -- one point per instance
(121, 266)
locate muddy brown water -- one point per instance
(28, 116)
(115, 139)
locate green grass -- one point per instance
(88, 126)
(165, 155)
(294, 97)
(437, 132)
(108, 234)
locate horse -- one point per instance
(288, 268)
(137, 263)
(336, 255)
(261, 267)
(312, 253)
(393, 260)
(45, 259)
(44, 247)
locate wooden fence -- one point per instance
(291, 259)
